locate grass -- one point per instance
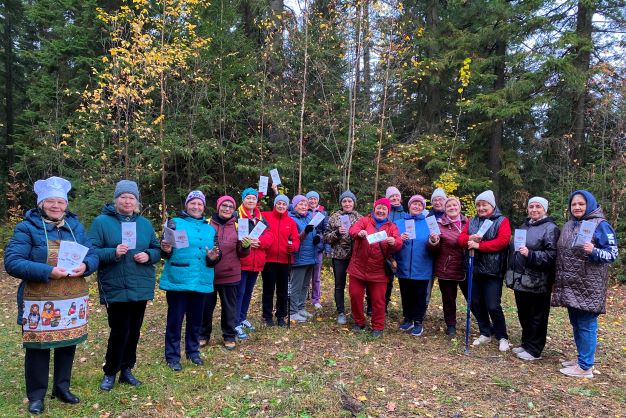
(311, 369)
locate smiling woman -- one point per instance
(48, 295)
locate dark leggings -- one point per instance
(340, 268)
(413, 294)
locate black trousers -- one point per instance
(228, 299)
(487, 307)
(180, 305)
(533, 311)
(448, 290)
(37, 366)
(413, 294)
(125, 319)
(275, 279)
(340, 268)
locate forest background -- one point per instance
(523, 97)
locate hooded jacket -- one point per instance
(307, 253)
(582, 280)
(26, 254)
(367, 261)
(534, 273)
(283, 229)
(396, 212)
(490, 257)
(123, 279)
(414, 260)
(449, 255)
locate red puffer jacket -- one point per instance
(255, 261)
(367, 261)
(449, 264)
(283, 229)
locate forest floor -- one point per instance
(322, 369)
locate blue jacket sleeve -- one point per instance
(91, 259)
(605, 242)
(16, 257)
(106, 255)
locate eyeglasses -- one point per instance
(229, 207)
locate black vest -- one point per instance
(489, 264)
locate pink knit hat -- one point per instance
(417, 197)
(223, 199)
(383, 201)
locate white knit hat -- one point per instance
(488, 197)
(52, 187)
(541, 200)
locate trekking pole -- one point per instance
(289, 242)
(470, 273)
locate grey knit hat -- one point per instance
(347, 194)
(126, 186)
(281, 198)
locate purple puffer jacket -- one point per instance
(228, 270)
(449, 264)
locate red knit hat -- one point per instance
(383, 201)
(223, 199)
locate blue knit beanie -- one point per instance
(281, 198)
(249, 191)
(313, 194)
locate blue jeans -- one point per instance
(585, 326)
(244, 295)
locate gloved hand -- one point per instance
(308, 228)
(316, 240)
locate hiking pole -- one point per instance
(289, 242)
(470, 273)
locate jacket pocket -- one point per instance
(179, 264)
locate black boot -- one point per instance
(127, 377)
(35, 407)
(64, 395)
(107, 382)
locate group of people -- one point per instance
(286, 245)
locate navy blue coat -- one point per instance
(26, 254)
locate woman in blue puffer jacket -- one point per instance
(188, 278)
(415, 267)
(304, 259)
(52, 302)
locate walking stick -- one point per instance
(289, 242)
(470, 273)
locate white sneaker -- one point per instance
(517, 350)
(297, 317)
(247, 325)
(504, 345)
(569, 363)
(482, 339)
(525, 355)
(318, 305)
(305, 314)
(576, 371)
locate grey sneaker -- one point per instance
(341, 319)
(305, 314)
(297, 317)
(517, 350)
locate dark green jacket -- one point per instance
(123, 279)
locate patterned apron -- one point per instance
(55, 313)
